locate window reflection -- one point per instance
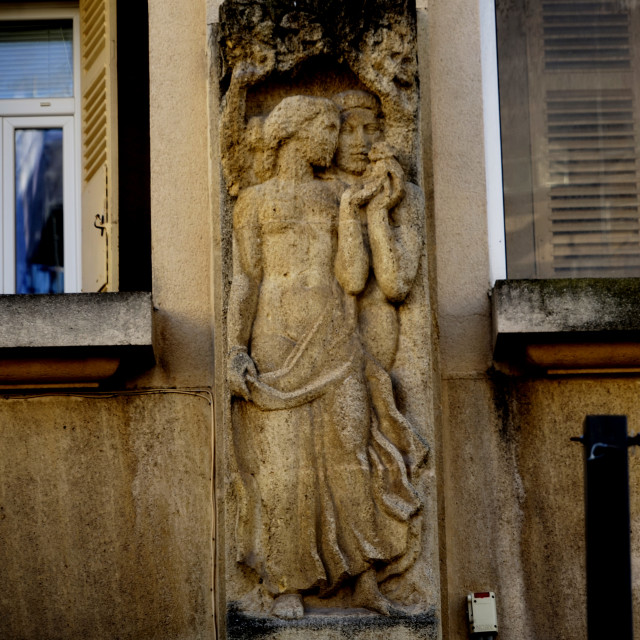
(569, 104)
(39, 211)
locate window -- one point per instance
(58, 136)
(569, 105)
(38, 140)
(59, 195)
(39, 230)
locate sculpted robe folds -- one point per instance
(323, 452)
(325, 479)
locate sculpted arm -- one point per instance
(352, 259)
(233, 144)
(396, 245)
(243, 298)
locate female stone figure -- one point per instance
(324, 463)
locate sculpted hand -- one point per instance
(359, 196)
(240, 366)
(385, 164)
(392, 191)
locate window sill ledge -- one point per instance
(568, 325)
(73, 339)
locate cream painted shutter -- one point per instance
(99, 145)
(583, 89)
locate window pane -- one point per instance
(570, 110)
(39, 239)
(36, 59)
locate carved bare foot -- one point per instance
(288, 606)
(367, 595)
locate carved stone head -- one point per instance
(360, 129)
(308, 122)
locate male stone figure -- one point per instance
(371, 185)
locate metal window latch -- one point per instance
(99, 219)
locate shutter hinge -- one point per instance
(98, 223)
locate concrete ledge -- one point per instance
(587, 323)
(73, 337)
(76, 320)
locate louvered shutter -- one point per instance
(583, 89)
(99, 145)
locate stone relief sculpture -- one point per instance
(371, 185)
(327, 239)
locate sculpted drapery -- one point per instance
(322, 254)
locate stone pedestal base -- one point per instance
(356, 624)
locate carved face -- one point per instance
(320, 138)
(360, 129)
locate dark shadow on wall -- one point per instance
(133, 140)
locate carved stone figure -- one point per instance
(371, 184)
(386, 64)
(325, 481)
(325, 456)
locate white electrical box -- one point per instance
(483, 617)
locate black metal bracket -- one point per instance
(632, 441)
(607, 526)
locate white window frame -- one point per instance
(71, 219)
(44, 113)
(492, 142)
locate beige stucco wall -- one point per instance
(106, 525)
(512, 514)
(514, 498)
(181, 222)
(105, 516)
(106, 506)
(459, 185)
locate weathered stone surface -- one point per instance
(76, 320)
(105, 516)
(262, 40)
(75, 338)
(340, 625)
(327, 497)
(566, 305)
(567, 323)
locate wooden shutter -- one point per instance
(583, 77)
(99, 145)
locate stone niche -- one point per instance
(327, 518)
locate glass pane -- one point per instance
(36, 59)
(39, 231)
(570, 119)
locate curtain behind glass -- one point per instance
(36, 59)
